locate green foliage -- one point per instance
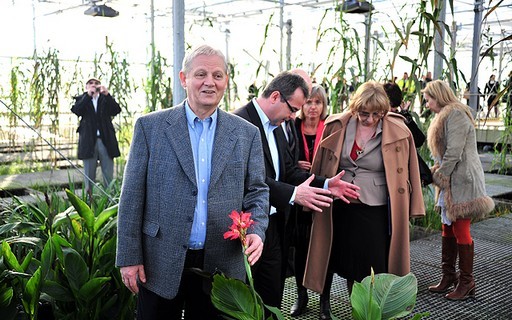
(234, 298)
(15, 97)
(64, 258)
(237, 300)
(158, 87)
(384, 296)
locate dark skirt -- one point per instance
(361, 237)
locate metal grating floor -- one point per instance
(492, 271)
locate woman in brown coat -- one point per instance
(377, 152)
(459, 178)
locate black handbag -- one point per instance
(425, 173)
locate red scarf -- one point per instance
(319, 131)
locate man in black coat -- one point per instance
(96, 135)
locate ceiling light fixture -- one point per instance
(355, 6)
(101, 11)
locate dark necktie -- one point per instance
(291, 138)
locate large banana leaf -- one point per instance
(384, 296)
(395, 295)
(364, 306)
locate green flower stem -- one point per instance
(249, 274)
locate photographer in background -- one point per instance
(96, 135)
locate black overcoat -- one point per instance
(91, 122)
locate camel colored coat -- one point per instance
(404, 188)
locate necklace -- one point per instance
(364, 141)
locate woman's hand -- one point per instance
(304, 165)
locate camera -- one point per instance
(98, 89)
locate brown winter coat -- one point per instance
(403, 183)
(452, 138)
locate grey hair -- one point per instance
(203, 50)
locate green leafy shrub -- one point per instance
(64, 260)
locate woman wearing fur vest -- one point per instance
(460, 185)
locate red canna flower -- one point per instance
(238, 230)
(231, 297)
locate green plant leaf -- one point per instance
(420, 315)
(31, 293)
(104, 216)
(27, 260)
(364, 307)
(57, 291)
(59, 242)
(234, 297)
(6, 294)
(91, 288)
(33, 241)
(21, 227)
(276, 311)
(105, 259)
(82, 208)
(9, 258)
(395, 295)
(47, 258)
(63, 217)
(75, 269)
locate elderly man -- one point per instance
(188, 168)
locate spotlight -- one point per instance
(355, 6)
(101, 11)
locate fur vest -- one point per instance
(457, 167)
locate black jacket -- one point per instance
(291, 175)
(91, 122)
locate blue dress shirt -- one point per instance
(202, 133)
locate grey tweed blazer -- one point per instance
(159, 193)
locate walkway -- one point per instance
(493, 259)
(492, 270)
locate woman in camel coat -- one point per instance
(377, 152)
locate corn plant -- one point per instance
(158, 87)
(16, 98)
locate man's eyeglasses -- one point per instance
(292, 108)
(94, 82)
(363, 115)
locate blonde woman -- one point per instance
(459, 178)
(377, 152)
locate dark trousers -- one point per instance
(301, 235)
(191, 302)
(267, 271)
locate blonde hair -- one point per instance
(441, 92)
(319, 92)
(371, 96)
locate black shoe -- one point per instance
(325, 307)
(300, 305)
